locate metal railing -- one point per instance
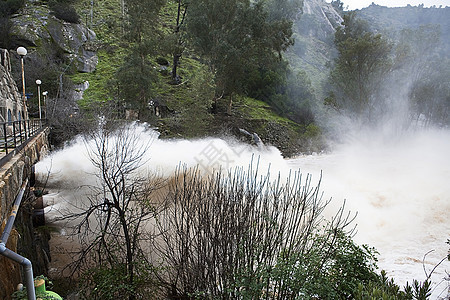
(15, 135)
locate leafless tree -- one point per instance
(112, 224)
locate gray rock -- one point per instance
(37, 27)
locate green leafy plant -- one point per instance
(22, 294)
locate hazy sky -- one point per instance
(358, 4)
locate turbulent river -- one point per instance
(399, 187)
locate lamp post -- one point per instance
(45, 102)
(38, 82)
(22, 52)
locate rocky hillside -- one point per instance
(56, 48)
(314, 49)
(314, 41)
(86, 58)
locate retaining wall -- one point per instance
(12, 175)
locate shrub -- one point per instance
(241, 236)
(108, 283)
(5, 38)
(332, 268)
(9, 7)
(385, 288)
(64, 11)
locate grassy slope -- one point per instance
(249, 114)
(106, 25)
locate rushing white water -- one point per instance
(399, 187)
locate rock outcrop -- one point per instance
(314, 35)
(36, 27)
(324, 15)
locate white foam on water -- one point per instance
(401, 190)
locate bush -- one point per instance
(241, 236)
(332, 268)
(107, 283)
(10, 7)
(384, 288)
(5, 38)
(64, 11)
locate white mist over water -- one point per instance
(70, 171)
(399, 187)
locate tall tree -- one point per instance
(361, 67)
(425, 72)
(279, 10)
(112, 222)
(136, 76)
(142, 19)
(235, 38)
(136, 79)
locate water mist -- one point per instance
(401, 193)
(393, 170)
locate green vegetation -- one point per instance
(392, 20)
(163, 66)
(63, 10)
(238, 43)
(9, 7)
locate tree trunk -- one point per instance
(178, 51)
(176, 59)
(230, 104)
(130, 269)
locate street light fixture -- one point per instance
(22, 52)
(45, 102)
(38, 82)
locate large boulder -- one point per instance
(35, 26)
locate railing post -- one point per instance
(25, 129)
(20, 131)
(14, 134)
(5, 135)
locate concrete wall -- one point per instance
(12, 175)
